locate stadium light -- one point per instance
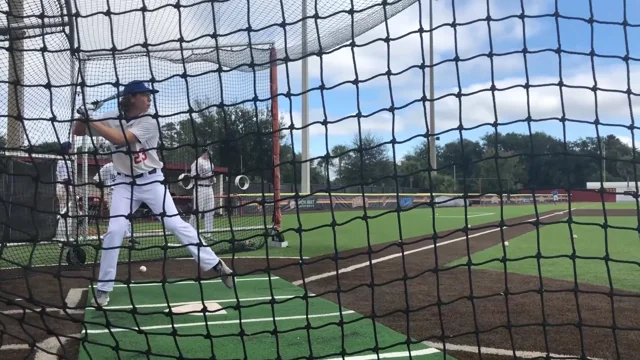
(306, 165)
(432, 111)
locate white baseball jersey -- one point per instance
(144, 156)
(107, 174)
(63, 170)
(204, 168)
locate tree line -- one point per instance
(497, 162)
(241, 140)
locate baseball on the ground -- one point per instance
(506, 243)
(143, 268)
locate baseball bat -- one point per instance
(97, 104)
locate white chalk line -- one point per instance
(194, 282)
(463, 216)
(393, 256)
(501, 352)
(38, 310)
(72, 300)
(172, 259)
(221, 322)
(250, 257)
(15, 347)
(164, 305)
(52, 344)
(390, 355)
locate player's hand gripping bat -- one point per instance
(95, 105)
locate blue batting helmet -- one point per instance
(137, 87)
(66, 146)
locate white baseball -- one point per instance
(506, 243)
(143, 268)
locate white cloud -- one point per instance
(627, 140)
(163, 24)
(546, 101)
(413, 49)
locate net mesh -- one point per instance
(469, 197)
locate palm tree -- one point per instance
(340, 153)
(324, 166)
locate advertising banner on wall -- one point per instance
(251, 204)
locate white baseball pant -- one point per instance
(204, 202)
(127, 199)
(68, 228)
(108, 194)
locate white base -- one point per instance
(278, 244)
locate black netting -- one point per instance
(29, 200)
(471, 189)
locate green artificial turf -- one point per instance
(194, 335)
(315, 237)
(556, 246)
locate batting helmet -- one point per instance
(65, 147)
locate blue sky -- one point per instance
(372, 98)
(473, 40)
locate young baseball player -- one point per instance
(134, 136)
(106, 177)
(203, 197)
(64, 193)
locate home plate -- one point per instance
(197, 308)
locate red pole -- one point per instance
(277, 212)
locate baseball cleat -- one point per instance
(226, 275)
(102, 298)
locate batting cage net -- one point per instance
(285, 179)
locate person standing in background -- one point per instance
(203, 197)
(66, 196)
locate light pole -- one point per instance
(306, 166)
(604, 162)
(15, 93)
(432, 110)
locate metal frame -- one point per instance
(15, 130)
(5, 31)
(88, 56)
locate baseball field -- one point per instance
(500, 279)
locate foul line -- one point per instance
(193, 282)
(390, 355)
(502, 352)
(221, 322)
(389, 257)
